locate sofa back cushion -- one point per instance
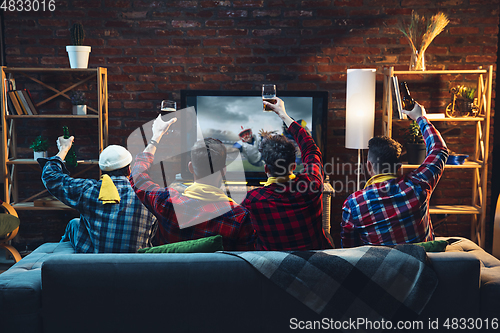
(205, 292)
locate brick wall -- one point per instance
(153, 49)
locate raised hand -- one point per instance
(64, 145)
(279, 109)
(161, 127)
(417, 111)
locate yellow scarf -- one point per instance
(380, 178)
(206, 192)
(108, 192)
(284, 179)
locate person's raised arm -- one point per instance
(160, 127)
(430, 171)
(311, 155)
(56, 180)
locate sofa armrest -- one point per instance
(490, 274)
(457, 294)
(21, 288)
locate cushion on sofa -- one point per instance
(434, 246)
(201, 245)
(8, 223)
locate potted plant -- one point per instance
(78, 100)
(415, 144)
(78, 54)
(39, 146)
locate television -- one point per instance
(229, 115)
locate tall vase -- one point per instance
(417, 63)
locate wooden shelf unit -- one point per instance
(9, 143)
(478, 163)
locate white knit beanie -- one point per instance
(114, 157)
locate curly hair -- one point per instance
(384, 153)
(278, 153)
(208, 156)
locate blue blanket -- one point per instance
(372, 282)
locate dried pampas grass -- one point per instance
(421, 31)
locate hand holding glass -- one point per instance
(268, 93)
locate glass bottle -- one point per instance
(407, 102)
(71, 156)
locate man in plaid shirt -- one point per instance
(395, 210)
(203, 209)
(287, 211)
(112, 218)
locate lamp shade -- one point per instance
(360, 107)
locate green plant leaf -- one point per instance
(40, 144)
(413, 134)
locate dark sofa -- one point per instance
(55, 290)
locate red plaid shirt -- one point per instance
(288, 216)
(397, 211)
(231, 221)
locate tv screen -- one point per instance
(237, 119)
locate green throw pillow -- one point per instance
(8, 223)
(202, 245)
(434, 246)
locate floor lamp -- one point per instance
(360, 110)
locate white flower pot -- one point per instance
(79, 109)
(39, 154)
(78, 56)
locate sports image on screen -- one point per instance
(237, 119)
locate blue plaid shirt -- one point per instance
(110, 228)
(397, 211)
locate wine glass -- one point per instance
(268, 93)
(168, 106)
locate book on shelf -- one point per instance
(29, 100)
(10, 106)
(23, 102)
(397, 97)
(15, 102)
(9, 84)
